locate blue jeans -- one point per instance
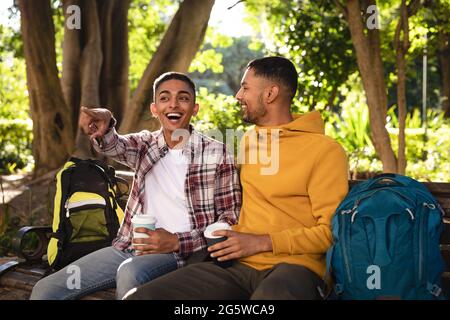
(103, 269)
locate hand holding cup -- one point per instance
(142, 221)
(212, 240)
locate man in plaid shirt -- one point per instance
(182, 177)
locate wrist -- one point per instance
(176, 243)
(266, 243)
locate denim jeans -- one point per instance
(103, 269)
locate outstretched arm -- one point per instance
(99, 125)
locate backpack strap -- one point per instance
(65, 185)
(327, 289)
(123, 181)
(384, 179)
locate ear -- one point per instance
(272, 93)
(153, 109)
(195, 110)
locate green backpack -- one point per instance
(86, 213)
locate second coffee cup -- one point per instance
(142, 221)
(212, 240)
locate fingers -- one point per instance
(221, 233)
(144, 230)
(89, 111)
(145, 249)
(231, 256)
(227, 253)
(222, 245)
(94, 121)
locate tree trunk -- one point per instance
(95, 70)
(114, 86)
(368, 55)
(95, 62)
(175, 53)
(402, 44)
(52, 125)
(444, 58)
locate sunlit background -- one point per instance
(313, 34)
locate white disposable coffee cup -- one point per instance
(212, 239)
(143, 221)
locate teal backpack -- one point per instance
(386, 236)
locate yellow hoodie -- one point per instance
(292, 193)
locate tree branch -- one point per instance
(234, 5)
(342, 7)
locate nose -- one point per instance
(174, 103)
(238, 95)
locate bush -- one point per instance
(427, 152)
(15, 145)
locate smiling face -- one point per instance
(174, 106)
(250, 97)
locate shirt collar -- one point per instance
(189, 149)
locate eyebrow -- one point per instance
(179, 92)
(243, 83)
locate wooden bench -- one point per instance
(17, 278)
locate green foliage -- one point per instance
(427, 154)
(314, 35)
(223, 71)
(427, 151)
(15, 129)
(218, 112)
(10, 223)
(58, 21)
(13, 85)
(421, 24)
(147, 23)
(351, 127)
(13, 88)
(15, 145)
(8, 228)
(219, 117)
(208, 57)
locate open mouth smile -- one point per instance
(174, 116)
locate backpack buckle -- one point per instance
(338, 288)
(434, 289)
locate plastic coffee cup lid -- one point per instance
(143, 219)
(214, 227)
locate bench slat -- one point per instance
(19, 280)
(445, 252)
(445, 237)
(441, 191)
(13, 294)
(438, 188)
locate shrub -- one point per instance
(15, 145)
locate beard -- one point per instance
(252, 116)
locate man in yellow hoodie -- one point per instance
(284, 229)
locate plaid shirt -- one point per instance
(212, 187)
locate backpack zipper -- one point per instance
(424, 218)
(344, 249)
(421, 246)
(353, 211)
(81, 203)
(375, 191)
(66, 205)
